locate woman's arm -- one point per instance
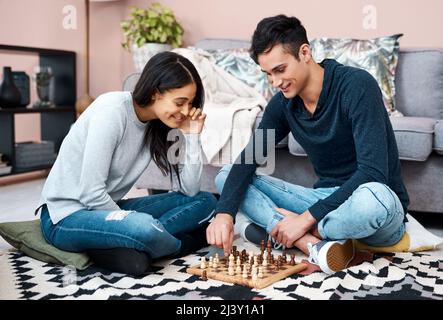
(103, 136)
(192, 167)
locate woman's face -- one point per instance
(173, 106)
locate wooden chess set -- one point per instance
(248, 269)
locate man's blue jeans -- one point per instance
(373, 213)
(149, 224)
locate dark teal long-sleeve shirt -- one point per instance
(349, 140)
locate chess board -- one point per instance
(271, 273)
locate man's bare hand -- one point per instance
(220, 232)
(292, 227)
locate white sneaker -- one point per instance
(331, 256)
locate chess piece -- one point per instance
(211, 260)
(245, 272)
(238, 270)
(231, 271)
(292, 262)
(231, 260)
(262, 246)
(253, 270)
(204, 275)
(203, 263)
(269, 246)
(255, 261)
(264, 263)
(260, 272)
(254, 276)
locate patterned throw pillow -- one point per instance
(378, 56)
(238, 63)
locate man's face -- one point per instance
(284, 71)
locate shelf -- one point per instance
(55, 122)
(34, 49)
(29, 169)
(37, 110)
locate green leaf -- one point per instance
(154, 24)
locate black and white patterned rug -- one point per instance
(385, 276)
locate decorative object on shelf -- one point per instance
(9, 94)
(44, 84)
(21, 80)
(5, 168)
(150, 31)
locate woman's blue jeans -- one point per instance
(147, 224)
(373, 213)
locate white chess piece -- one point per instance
(245, 272)
(203, 263)
(231, 271)
(253, 270)
(238, 270)
(260, 272)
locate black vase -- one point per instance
(9, 94)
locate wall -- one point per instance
(39, 23)
(420, 21)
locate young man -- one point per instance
(337, 115)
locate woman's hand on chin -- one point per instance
(193, 124)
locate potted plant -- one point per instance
(149, 31)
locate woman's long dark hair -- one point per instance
(163, 72)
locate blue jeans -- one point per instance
(147, 224)
(373, 213)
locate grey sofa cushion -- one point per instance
(419, 83)
(438, 137)
(414, 136)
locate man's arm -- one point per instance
(369, 122)
(220, 232)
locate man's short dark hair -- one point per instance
(280, 29)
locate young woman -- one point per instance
(107, 150)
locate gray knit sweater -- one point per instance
(102, 157)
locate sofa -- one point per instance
(419, 134)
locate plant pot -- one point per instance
(10, 96)
(145, 52)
